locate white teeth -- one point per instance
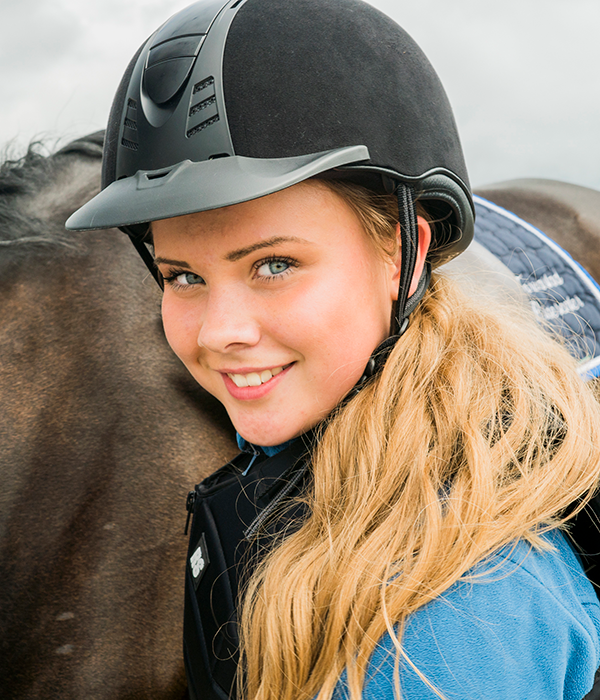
(239, 380)
(254, 378)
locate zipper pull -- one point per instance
(189, 504)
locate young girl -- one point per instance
(394, 524)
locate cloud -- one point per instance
(521, 74)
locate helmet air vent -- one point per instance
(203, 109)
(198, 87)
(169, 65)
(130, 138)
(202, 105)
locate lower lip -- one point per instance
(251, 393)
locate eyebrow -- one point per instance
(170, 261)
(240, 253)
(268, 243)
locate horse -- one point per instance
(569, 214)
(103, 433)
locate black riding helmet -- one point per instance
(230, 101)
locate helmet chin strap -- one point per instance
(405, 305)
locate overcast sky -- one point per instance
(522, 75)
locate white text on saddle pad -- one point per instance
(550, 313)
(541, 285)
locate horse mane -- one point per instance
(38, 192)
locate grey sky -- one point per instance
(522, 75)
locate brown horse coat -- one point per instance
(103, 432)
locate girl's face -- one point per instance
(275, 305)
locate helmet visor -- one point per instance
(189, 187)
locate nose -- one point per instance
(228, 322)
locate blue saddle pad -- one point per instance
(561, 292)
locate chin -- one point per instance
(267, 435)
(264, 438)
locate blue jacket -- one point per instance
(527, 627)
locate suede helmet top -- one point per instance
(230, 101)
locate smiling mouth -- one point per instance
(255, 378)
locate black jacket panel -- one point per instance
(236, 516)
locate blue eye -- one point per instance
(186, 279)
(183, 279)
(273, 267)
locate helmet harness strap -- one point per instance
(409, 237)
(148, 259)
(405, 305)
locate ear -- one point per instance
(423, 248)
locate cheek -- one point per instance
(181, 328)
(338, 322)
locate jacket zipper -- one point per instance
(190, 502)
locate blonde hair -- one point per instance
(477, 432)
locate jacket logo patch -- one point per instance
(199, 561)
